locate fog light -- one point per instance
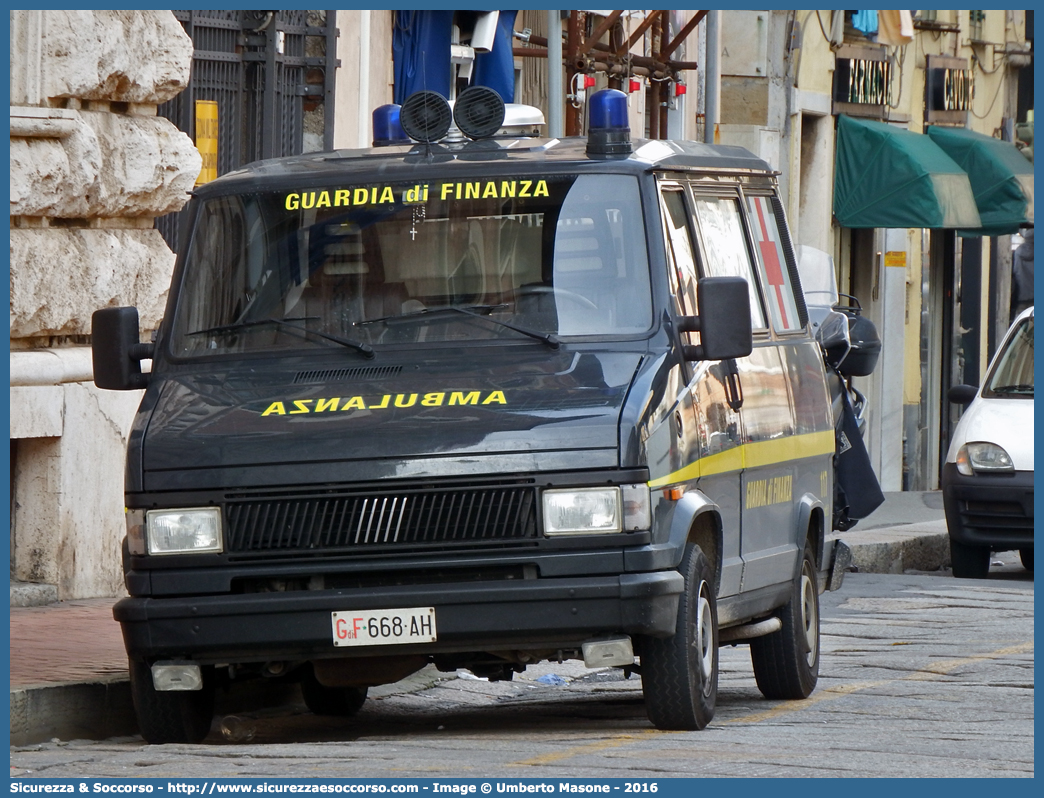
(176, 676)
(615, 652)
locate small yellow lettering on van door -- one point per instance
(447, 189)
(433, 399)
(387, 195)
(355, 403)
(293, 202)
(384, 403)
(302, 406)
(308, 200)
(342, 197)
(541, 189)
(412, 194)
(525, 188)
(324, 200)
(490, 190)
(402, 400)
(276, 408)
(507, 188)
(495, 398)
(322, 405)
(360, 196)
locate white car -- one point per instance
(987, 480)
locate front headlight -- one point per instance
(582, 511)
(987, 458)
(188, 531)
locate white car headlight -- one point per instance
(990, 458)
(581, 511)
(187, 531)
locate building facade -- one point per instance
(91, 167)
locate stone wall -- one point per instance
(91, 167)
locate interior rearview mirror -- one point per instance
(724, 322)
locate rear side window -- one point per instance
(772, 263)
(724, 249)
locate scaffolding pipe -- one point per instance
(555, 98)
(712, 108)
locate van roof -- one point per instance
(557, 155)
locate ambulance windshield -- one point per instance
(560, 255)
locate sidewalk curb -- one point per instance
(102, 709)
(93, 711)
(895, 549)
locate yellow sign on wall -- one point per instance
(895, 259)
(207, 139)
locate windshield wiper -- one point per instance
(475, 311)
(285, 324)
(1019, 389)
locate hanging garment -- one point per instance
(895, 28)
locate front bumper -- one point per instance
(994, 510)
(532, 614)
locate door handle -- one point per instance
(733, 386)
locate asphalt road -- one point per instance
(922, 676)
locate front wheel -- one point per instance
(680, 673)
(1026, 555)
(178, 716)
(786, 663)
(969, 562)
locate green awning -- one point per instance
(1001, 177)
(888, 177)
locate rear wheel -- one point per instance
(786, 663)
(969, 562)
(334, 701)
(178, 716)
(680, 673)
(1026, 555)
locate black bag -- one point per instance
(857, 493)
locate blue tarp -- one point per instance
(421, 54)
(496, 69)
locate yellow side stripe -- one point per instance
(753, 455)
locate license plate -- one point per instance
(384, 627)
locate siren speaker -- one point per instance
(479, 112)
(425, 116)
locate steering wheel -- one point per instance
(559, 293)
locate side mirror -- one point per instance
(962, 394)
(724, 322)
(115, 350)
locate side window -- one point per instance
(680, 240)
(724, 247)
(775, 276)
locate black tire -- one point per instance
(1026, 555)
(171, 717)
(786, 663)
(680, 673)
(340, 702)
(969, 562)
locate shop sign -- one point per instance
(948, 90)
(862, 81)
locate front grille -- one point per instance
(386, 518)
(997, 516)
